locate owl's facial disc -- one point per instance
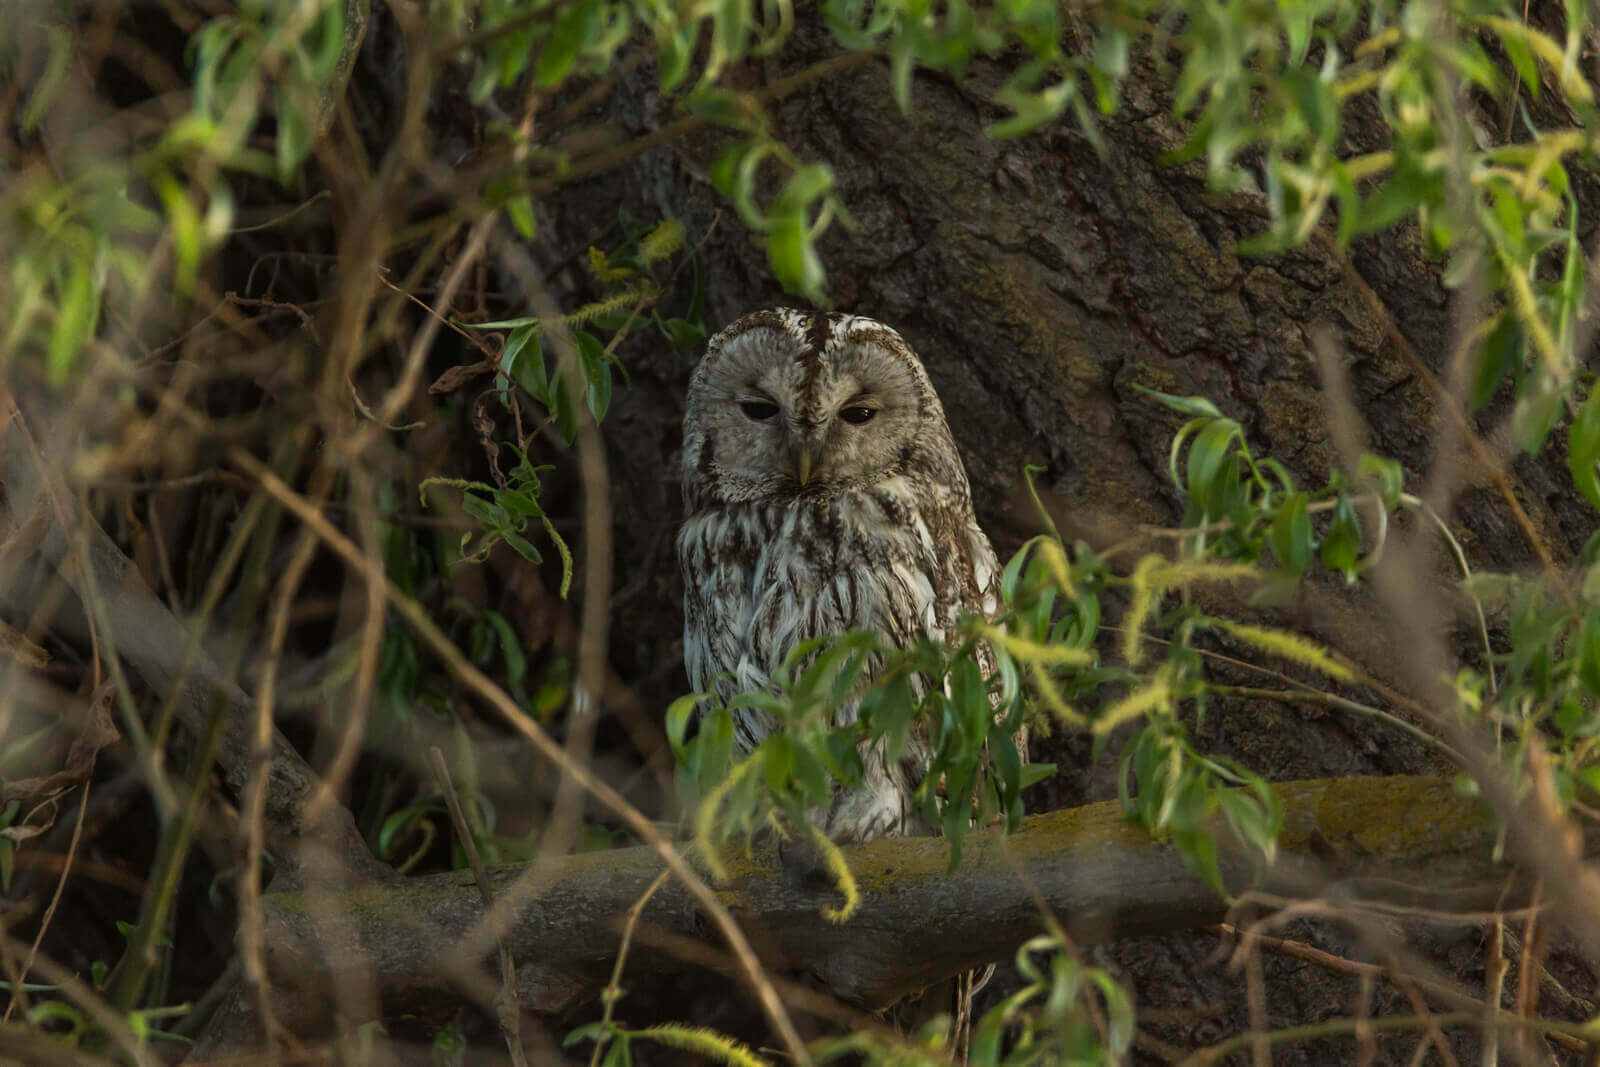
(783, 418)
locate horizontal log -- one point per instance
(1403, 839)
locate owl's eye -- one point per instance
(758, 410)
(857, 415)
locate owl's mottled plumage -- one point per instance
(824, 494)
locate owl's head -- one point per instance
(790, 403)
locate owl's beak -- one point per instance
(805, 464)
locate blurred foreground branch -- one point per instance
(49, 536)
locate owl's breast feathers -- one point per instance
(763, 577)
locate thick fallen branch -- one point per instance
(1408, 840)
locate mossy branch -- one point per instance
(914, 924)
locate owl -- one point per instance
(823, 494)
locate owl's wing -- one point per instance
(717, 608)
(984, 593)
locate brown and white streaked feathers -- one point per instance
(823, 494)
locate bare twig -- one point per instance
(509, 1011)
(613, 990)
(19, 995)
(91, 1004)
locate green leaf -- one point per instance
(778, 760)
(183, 222)
(1500, 351)
(674, 51)
(684, 335)
(1290, 534)
(566, 40)
(726, 168)
(890, 708)
(1522, 59)
(725, 107)
(1589, 654)
(807, 185)
(1031, 110)
(794, 257)
(520, 210)
(1397, 199)
(679, 714)
(76, 317)
(510, 643)
(1536, 413)
(1583, 448)
(520, 504)
(523, 361)
(522, 546)
(588, 1032)
(901, 65)
(619, 1054)
(561, 406)
(1187, 405)
(45, 89)
(1212, 449)
(1388, 474)
(1034, 773)
(596, 367)
(1341, 547)
(1314, 99)
(1298, 20)
(485, 511)
(293, 142)
(1111, 51)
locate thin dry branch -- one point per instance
(162, 651)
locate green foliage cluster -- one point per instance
(76, 240)
(1064, 1013)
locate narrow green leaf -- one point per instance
(76, 318)
(674, 52)
(1583, 449)
(1290, 534)
(808, 184)
(1341, 547)
(725, 107)
(523, 361)
(725, 168)
(565, 42)
(1388, 474)
(1212, 449)
(485, 511)
(561, 406)
(901, 65)
(1535, 415)
(520, 210)
(1034, 773)
(522, 546)
(679, 714)
(1188, 405)
(794, 257)
(1500, 351)
(293, 142)
(1589, 653)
